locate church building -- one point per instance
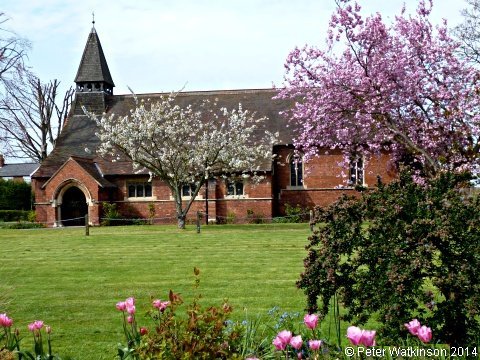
(74, 180)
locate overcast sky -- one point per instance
(156, 46)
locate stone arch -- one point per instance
(72, 200)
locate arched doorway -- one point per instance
(74, 207)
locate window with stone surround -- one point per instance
(296, 170)
(235, 188)
(139, 189)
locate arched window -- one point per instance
(296, 170)
(356, 172)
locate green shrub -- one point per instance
(254, 218)
(111, 215)
(293, 214)
(202, 334)
(401, 251)
(23, 225)
(14, 215)
(15, 195)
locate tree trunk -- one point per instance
(181, 221)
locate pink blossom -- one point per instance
(354, 334)
(315, 344)
(368, 338)
(311, 321)
(130, 319)
(381, 76)
(5, 321)
(130, 302)
(424, 334)
(131, 309)
(296, 342)
(285, 336)
(161, 305)
(413, 326)
(121, 306)
(36, 325)
(278, 343)
(143, 331)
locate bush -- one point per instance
(15, 195)
(293, 214)
(401, 251)
(254, 218)
(202, 334)
(23, 225)
(14, 215)
(111, 216)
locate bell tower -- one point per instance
(93, 74)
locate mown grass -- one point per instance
(72, 282)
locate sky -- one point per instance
(166, 45)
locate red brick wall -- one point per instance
(322, 179)
(44, 197)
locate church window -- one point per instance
(356, 172)
(234, 188)
(296, 170)
(139, 190)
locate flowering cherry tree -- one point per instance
(395, 87)
(186, 145)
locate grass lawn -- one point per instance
(73, 282)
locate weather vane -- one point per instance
(93, 18)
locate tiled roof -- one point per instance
(93, 66)
(17, 170)
(78, 137)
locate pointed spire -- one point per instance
(93, 73)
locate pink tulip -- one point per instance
(424, 334)
(5, 321)
(354, 334)
(121, 306)
(131, 309)
(368, 338)
(311, 321)
(130, 301)
(285, 336)
(36, 325)
(315, 344)
(278, 343)
(296, 342)
(413, 326)
(161, 305)
(130, 319)
(143, 331)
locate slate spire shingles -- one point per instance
(93, 66)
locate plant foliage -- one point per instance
(401, 251)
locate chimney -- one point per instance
(2, 161)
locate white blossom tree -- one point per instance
(186, 145)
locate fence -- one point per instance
(200, 217)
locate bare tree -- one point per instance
(468, 32)
(30, 118)
(13, 51)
